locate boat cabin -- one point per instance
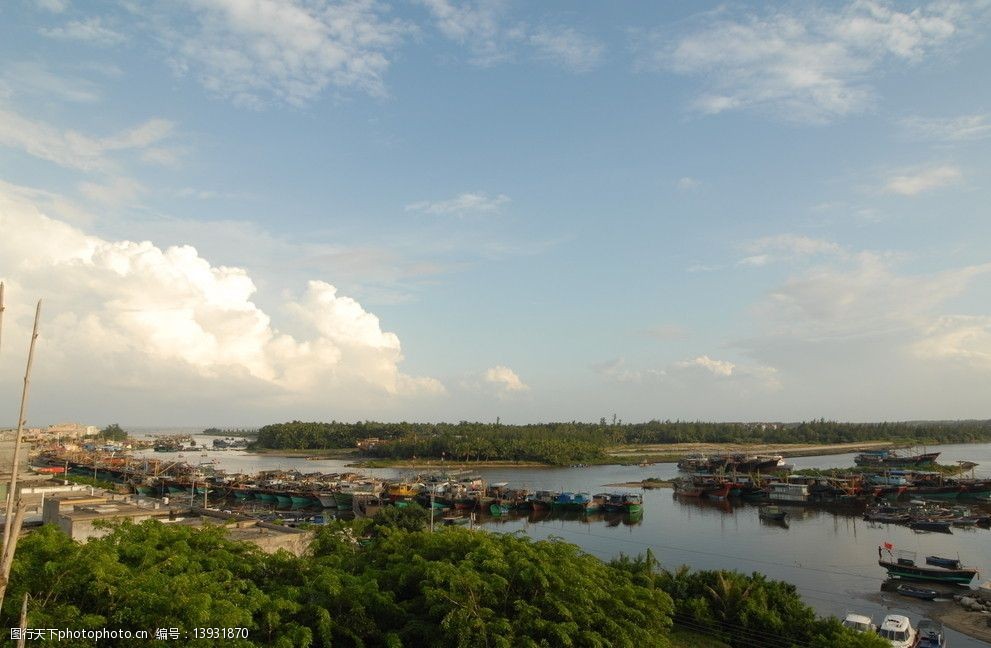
(897, 629)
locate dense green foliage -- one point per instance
(399, 587)
(229, 432)
(113, 432)
(568, 443)
(746, 610)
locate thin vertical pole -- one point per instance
(24, 622)
(12, 488)
(2, 309)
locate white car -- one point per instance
(898, 630)
(859, 623)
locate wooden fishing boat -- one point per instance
(903, 566)
(939, 526)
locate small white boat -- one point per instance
(859, 623)
(898, 630)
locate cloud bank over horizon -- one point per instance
(132, 316)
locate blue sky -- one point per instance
(247, 211)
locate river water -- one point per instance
(830, 557)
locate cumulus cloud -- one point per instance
(914, 182)
(75, 150)
(802, 63)
(131, 314)
(504, 380)
(91, 30)
(263, 50)
(567, 47)
(476, 202)
(949, 129)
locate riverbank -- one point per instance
(671, 452)
(972, 624)
(620, 455)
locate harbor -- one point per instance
(826, 545)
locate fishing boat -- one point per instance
(903, 566)
(892, 458)
(541, 500)
(939, 526)
(914, 591)
(774, 513)
(898, 630)
(571, 502)
(456, 520)
(632, 503)
(931, 634)
(498, 510)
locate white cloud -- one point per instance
(949, 129)
(125, 313)
(765, 250)
(91, 30)
(964, 338)
(857, 338)
(475, 202)
(116, 191)
(688, 184)
(699, 375)
(861, 297)
(717, 367)
(253, 51)
(482, 27)
(504, 380)
(34, 78)
(476, 25)
(568, 47)
(75, 150)
(55, 6)
(914, 182)
(804, 63)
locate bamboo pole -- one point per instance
(12, 488)
(12, 529)
(2, 309)
(8, 556)
(24, 622)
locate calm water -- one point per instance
(831, 558)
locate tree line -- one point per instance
(388, 582)
(578, 442)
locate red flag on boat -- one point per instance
(889, 546)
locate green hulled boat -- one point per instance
(904, 567)
(265, 497)
(283, 500)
